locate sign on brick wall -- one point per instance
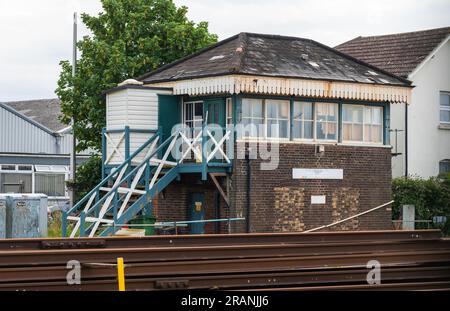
(316, 173)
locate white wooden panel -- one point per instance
(289, 86)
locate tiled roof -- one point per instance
(271, 55)
(398, 53)
(43, 111)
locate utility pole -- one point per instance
(73, 155)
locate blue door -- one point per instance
(197, 212)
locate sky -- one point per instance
(36, 35)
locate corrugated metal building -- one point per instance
(35, 149)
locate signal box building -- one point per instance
(274, 133)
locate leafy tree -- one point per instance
(130, 38)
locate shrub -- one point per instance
(431, 197)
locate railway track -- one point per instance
(331, 260)
(217, 239)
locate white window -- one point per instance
(326, 121)
(46, 179)
(277, 118)
(193, 114)
(303, 121)
(13, 180)
(362, 124)
(252, 116)
(445, 107)
(229, 110)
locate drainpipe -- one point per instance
(249, 187)
(406, 140)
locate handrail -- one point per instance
(348, 218)
(206, 136)
(130, 174)
(168, 223)
(131, 130)
(117, 170)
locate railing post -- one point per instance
(104, 151)
(64, 224)
(127, 142)
(127, 151)
(159, 133)
(115, 201)
(97, 207)
(82, 224)
(204, 152)
(229, 143)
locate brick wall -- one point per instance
(281, 203)
(173, 204)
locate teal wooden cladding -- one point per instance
(215, 109)
(169, 113)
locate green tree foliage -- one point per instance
(129, 38)
(431, 197)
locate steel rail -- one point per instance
(55, 257)
(172, 268)
(101, 271)
(215, 239)
(444, 285)
(345, 277)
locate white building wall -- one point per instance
(398, 149)
(427, 143)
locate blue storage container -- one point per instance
(26, 216)
(2, 216)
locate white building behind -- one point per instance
(424, 58)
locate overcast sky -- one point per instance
(36, 35)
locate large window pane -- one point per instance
(362, 123)
(252, 116)
(277, 112)
(50, 184)
(15, 183)
(303, 120)
(445, 115)
(445, 99)
(326, 118)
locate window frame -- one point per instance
(266, 118)
(363, 124)
(443, 107)
(263, 119)
(38, 169)
(313, 112)
(193, 120)
(229, 111)
(326, 122)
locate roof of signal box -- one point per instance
(273, 56)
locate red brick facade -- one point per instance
(281, 203)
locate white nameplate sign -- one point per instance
(317, 173)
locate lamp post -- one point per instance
(73, 156)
